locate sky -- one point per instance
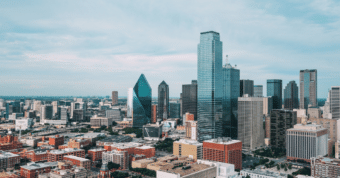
(82, 48)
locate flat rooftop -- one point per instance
(34, 166)
(125, 145)
(224, 141)
(189, 142)
(66, 150)
(194, 168)
(76, 158)
(307, 127)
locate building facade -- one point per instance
(274, 89)
(308, 88)
(114, 98)
(334, 95)
(209, 86)
(163, 101)
(189, 98)
(291, 96)
(191, 148)
(247, 87)
(258, 90)
(323, 167)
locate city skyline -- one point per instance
(94, 50)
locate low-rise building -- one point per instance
(263, 174)
(58, 155)
(142, 163)
(77, 143)
(118, 157)
(322, 167)
(32, 170)
(9, 142)
(78, 161)
(190, 148)
(97, 122)
(23, 124)
(152, 131)
(56, 141)
(113, 139)
(191, 129)
(8, 160)
(96, 154)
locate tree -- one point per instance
(247, 176)
(282, 165)
(278, 167)
(89, 126)
(285, 169)
(114, 123)
(112, 165)
(290, 176)
(290, 167)
(118, 174)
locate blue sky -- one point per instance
(94, 47)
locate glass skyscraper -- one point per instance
(258, 91)
(163, 101)
(308, 88)
(209, 86)
(274, 89)
(189, 98)
(231, 92)
(291, 96)
(247, 87)
(139, 103)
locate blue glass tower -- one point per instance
(209, 86)
(274, 89)
(139, 102)
(308, 88)
(291, 96)
(231, 92)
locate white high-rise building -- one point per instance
(334, 100)
(250, 122)
(37, 105)
(55, 107)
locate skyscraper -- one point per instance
(139, 102)
(209, 86)
(274, 89)
(163, 101)
(334, 100)
(246, 87)
(258, 91)
(114, 98)
(308, 88)
(231, 92)
(291, 96)
(175, 109)
(250, 122)
(189, 98)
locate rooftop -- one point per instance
(76, 158)
(265, 173)
(193, 168)
(223, 140)
(4, 154)
(125, 145)
(33, 165)
(307, 127)
(189, 142)
(145, 147)
(66, 150)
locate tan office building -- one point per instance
(191, 148)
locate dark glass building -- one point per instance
(291, 96)
(280, 121)
(139, 103)
(258, 91)
(274, 89)
(308, 88)
(163, 101)
(209, 86)
(231, 92)
(189, 98)
(247, 87)
(175, 109)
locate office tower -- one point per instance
(114, 98)
(258, 91)
(190, 148)
(250, 122)
(209, 86)
(189, 98)
(231, 92)
(247, 87)
(305, 141)
(139, 102)
(163, 101)
(267, 105)
(154, 113)
(62, 113)
(314, 112)
(291, 96)
(223, 150)
(324, 167)
(36, 105)
(115, 114)
(274, 89)
(280, 121)
(43, 112)
(308, 88)
(334, 101)
(55, 107)
(78, 115)
(175, 110)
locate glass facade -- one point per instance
(274, 89)
(291, 96)
(163, 101)
(189, 98)
(308, 88)
(231, 92)
(247, 87)
(175, 110)
(139, 103)
(209, 86)
(258, 91)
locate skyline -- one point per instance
(91, 48)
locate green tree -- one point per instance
(278, 167)
(285, 169)
(247, 176)
(290, 167)
(112, 165)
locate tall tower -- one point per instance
(139, 102)
(258, 91)
(274, 89)
(114, 98)
(291, 96)
(189, 98)
(308, 88)
(231, 92)
(247, 87)
(209, 86)
(104, 171)
(334, 100)
(163, 101)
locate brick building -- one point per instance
(9, 142)
(78, 161)
(35, 155)
(58, 155)
(56, 141)
(33, 170)
(154, 113)
(8, 160)
(96, 154)
(325, 167)
(118, 157)
(77, 143)
(148, 151)
(223, 150)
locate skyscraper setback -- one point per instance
(308, 88)
(274, 89)
(189, 98)
(163, 101)
(209, 86)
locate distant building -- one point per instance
(33, 170)
(163, 101)
(263, 174)
(306, 141)
(118, 157)
(58, 155)
(308, 88)
(62, 113)
(114, 98)
(175, 109)
(23, 124)
(96, 154)
(79, 161)
(258, 90)
(190, 148)
(189, 98)
(291, 96)
(334, 97)
(9, 142)
(314, 112)
(139, 103)
(55, 141)
(247, 87)
(97, 122)
(115, 114)
(250, 122)
(152, 131)
(191, 129)
(154, 113)
(274, 89)
(325, 167)
(229, 151)
(280, 121)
